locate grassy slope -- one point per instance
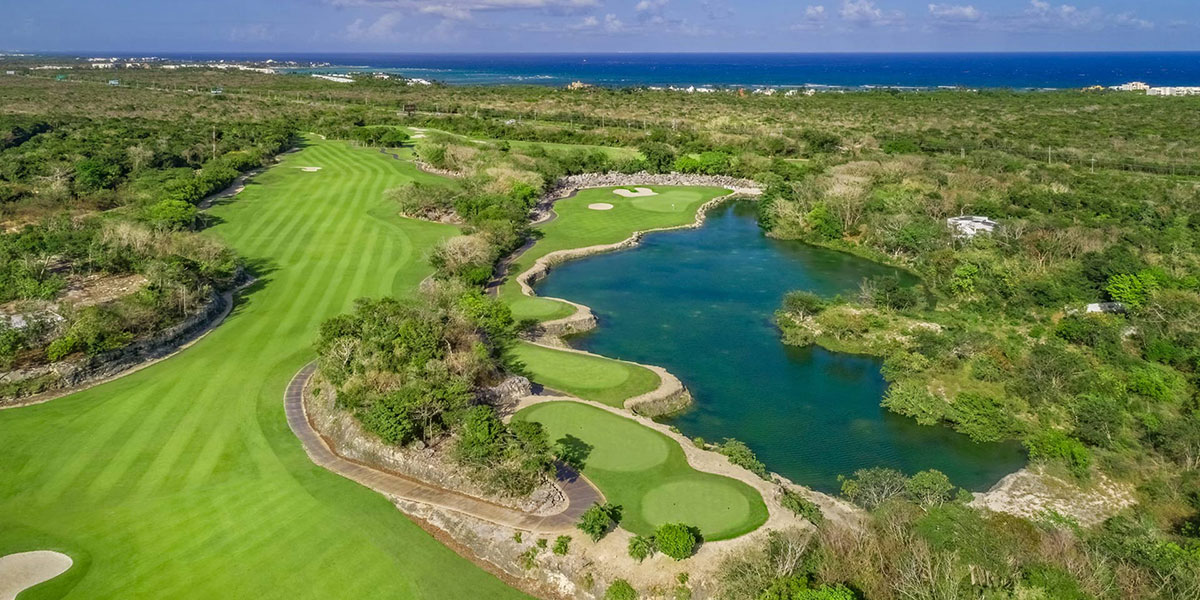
(648, 475)
(577, 226)
(183, 480)
(604, 380)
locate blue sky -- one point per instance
(599, 25)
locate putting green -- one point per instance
(647, 474)
(596, 378)
(577, 226)
(182, 480)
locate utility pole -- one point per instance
(1093, 165)
(1049, 155)
(214, 142)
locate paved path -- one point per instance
(580, 493)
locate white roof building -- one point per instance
(970, 226)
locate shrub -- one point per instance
(800, 505)
(599, 519)
(872, 487)
(620, 590)
(562, 544)
(676, 540)
(805, 304)
(983, 418)
(823, 224)
(912, 399)
(173, 215)
(641, 547)
(929, 488)
(1057, 446)
(741, 455)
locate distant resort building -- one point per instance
(1106, 307)
(334, 78)
(1139, 86)
(578, 85)
(970, 226)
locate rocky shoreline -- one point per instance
(671, 396)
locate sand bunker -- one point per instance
(600, 206)
(24, 570)
(419, 136)
(636, 193)
(309, 169)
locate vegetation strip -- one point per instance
(579, 492)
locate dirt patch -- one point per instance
(24, 570)
(1032, 492)
(98, 289)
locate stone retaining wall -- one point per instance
(66, 374)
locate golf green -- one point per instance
(647, 473)
(183, 480)
(603, 380)
(578, 226)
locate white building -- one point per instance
(1133, 86)
(1174, 91)
(333, 78)
(970, 226)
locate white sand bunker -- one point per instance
(636, 193)
(419, 136)
(600, 206)
(309, 169)
(24, 570)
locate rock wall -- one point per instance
(18, 385)
(430, 464)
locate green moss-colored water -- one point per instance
(699, 302)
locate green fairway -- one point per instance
(183, 480)
(578, 226)
(647, 474)
(603, 380)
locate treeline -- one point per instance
(64, 162)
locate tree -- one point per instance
(599, 519)
(929, 488)
(620, 590)
(804, 303)
(800, 505)
(676, 540)
(173, 215)
(822, 223)
(870, 488)
(641, 547)
(659, 157)
(1131, 290)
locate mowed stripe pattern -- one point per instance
(183, 480)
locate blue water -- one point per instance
(699, 302)
(979, 70)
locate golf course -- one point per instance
(586, 376)
(647, 474)
(579, 226)
(182, 480)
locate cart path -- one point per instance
(579, 492)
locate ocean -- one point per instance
(974, 70)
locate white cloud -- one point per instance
(954, 12)
(815, 18)
(592, 24)
(650, 5)
(254, 32)
(465, 9)
(1130, 20)
(865, 13)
